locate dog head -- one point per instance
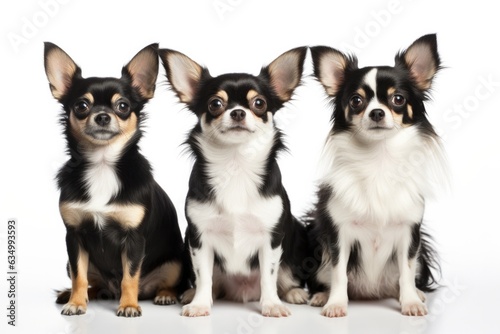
(233, 108)
(101, 111)
(375, 102)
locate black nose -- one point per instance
(102, 119)
(238, 115)
(377, 115)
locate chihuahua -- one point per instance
(122, 235)
(382, 159)
(243, 241)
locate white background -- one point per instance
(241, 37)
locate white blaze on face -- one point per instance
(366, 122)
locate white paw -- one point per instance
(187, 296)
(129, 311)
(195, 310)
(319, 299)
(296, 296)
(334, 310)
(275, 310)
(165, 300)
(413, 308)
(73, 309)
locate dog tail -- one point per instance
(63, 296)
(430, 270)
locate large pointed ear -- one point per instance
(285, 72)
(422, 60)
(183, 73)
(60, 69)
(330, 66)
(143, 70)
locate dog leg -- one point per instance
(79, 263)
(269, 261)
(336, 306)
(203, 266)
(129, 300)
(411, 301)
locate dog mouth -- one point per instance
(101, 134)
(379, 127)
(236, 129)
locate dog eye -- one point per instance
(81, 107)
(398, 100)
(216, 105)
(356, 102)
(123, 107)
(259, 105)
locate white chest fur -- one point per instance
(239, 220)
(100, 177)
(385, 182)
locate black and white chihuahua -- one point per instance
(382, 159)
(243, 241)
(122, 237)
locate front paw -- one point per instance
(74, 309)
(275, 310)
(413, 308)
(196, 310)
(334, 310)
(129, 311)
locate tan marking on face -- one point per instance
(78, 127)
(361, 92)
(391, 91)
(129, 216)
(115, 98)
(223, 95)
(251, 94)
(129, 285)
(89, 97)
(410, 111)
(79, 282)
(398, 118)
(128, 127)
